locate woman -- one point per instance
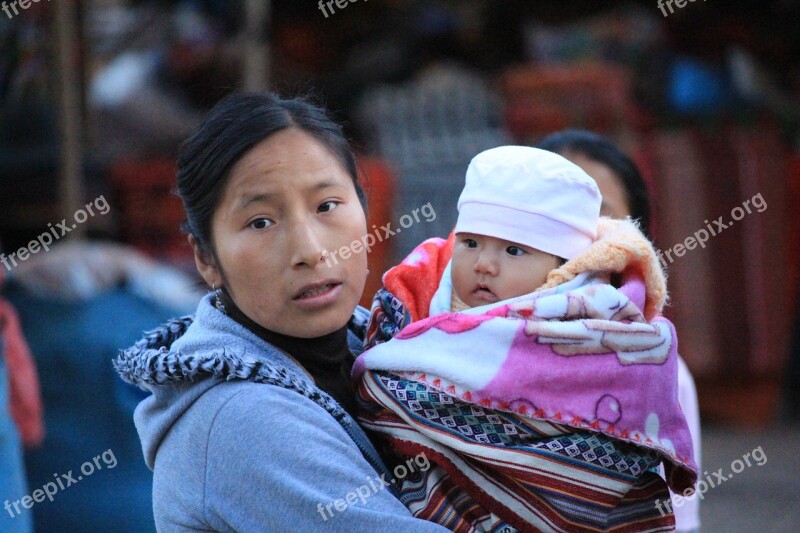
(625, 195)
(249, 426)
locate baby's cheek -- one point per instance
(458, 288)
(457, 277)
(526, 283)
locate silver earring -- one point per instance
(218, 297)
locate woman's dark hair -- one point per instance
(234, 126)
(602, 150)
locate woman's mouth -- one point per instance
(318, 294)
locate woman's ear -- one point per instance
(205, 264)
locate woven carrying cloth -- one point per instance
(548, 412)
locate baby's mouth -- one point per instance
(482, 292)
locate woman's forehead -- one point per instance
(284, 164)
(291, 149)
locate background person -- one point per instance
(625, 195)
(20, 417)
(12, 470)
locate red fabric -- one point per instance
(415, 284)
(25, 397)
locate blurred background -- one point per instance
(96, 97)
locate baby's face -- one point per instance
(487, 269)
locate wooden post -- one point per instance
(255, 52)
(70, 113)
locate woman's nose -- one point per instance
(306, 246)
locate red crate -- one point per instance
(149, 212)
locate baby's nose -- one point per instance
(486, 265)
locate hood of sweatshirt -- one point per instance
(179, 361)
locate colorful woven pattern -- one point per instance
(496, 472)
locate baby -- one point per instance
(523, 213)
(544, 395)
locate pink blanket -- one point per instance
(580, 355)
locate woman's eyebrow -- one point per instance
(248, 199)
(325, 185)
(264, 197)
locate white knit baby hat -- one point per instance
(532, 197)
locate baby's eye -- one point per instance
(261, 223)
(331, 205)
(515, 250)
(471, 243)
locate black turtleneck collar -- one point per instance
(327, 358)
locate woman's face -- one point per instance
(287, 202)
(615, 200)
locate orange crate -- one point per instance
(540, 100)
(379, 182)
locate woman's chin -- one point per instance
(318, 328)
(319, 323)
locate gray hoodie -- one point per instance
(240, 439)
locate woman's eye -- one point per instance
(515, 250)
(261, 223)
(328, 206)
(471, 243)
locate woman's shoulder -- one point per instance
(237, 414)
(264, 443)
(247, 402)
(233, 430)
(257, 432)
